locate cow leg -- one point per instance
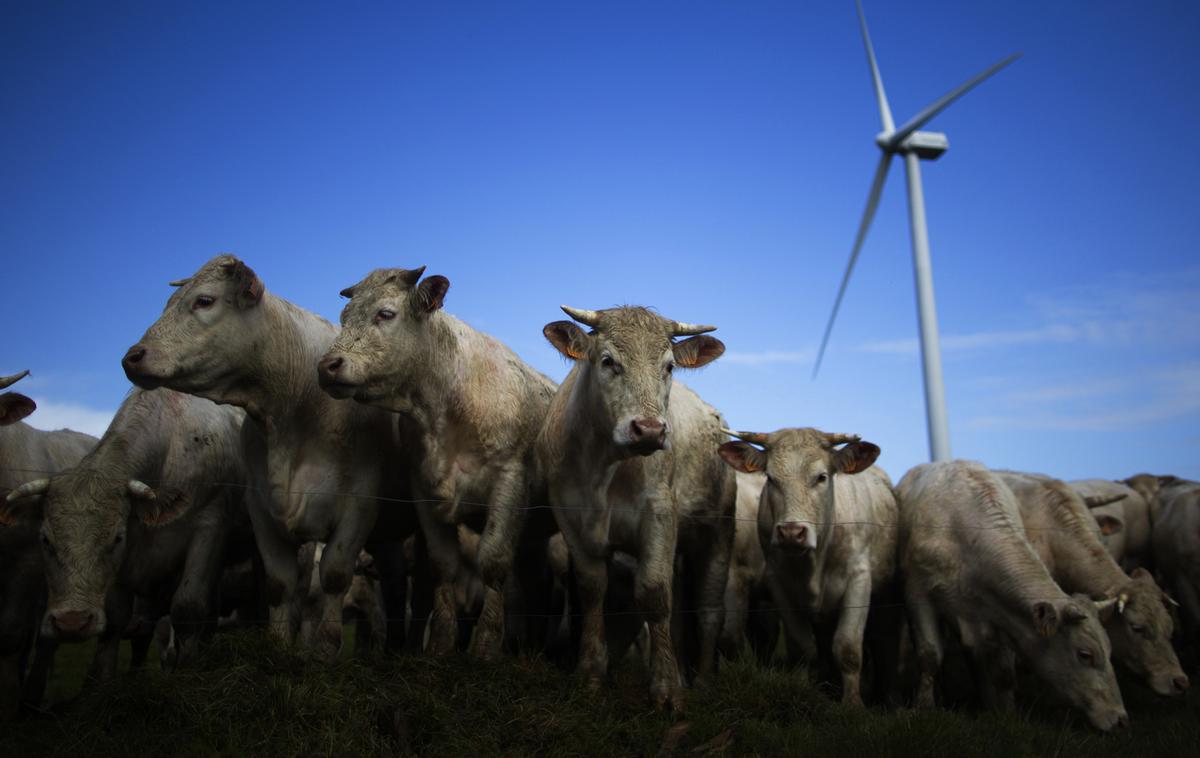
(495, 560)
(194, 604)
(337, 569)
(848, 638)
(441, 540)
(393, 582)
(10, 685)
(799, 636)
(34, 688)
(591, 585)
(708, 569)
(922, 619)
(118, 610)
(652, 593)
(281, 568)
(998, 663)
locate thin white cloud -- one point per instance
(1158, 395)
(980, 340)
(51, 415)
(767, 357)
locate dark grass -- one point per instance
(250, 696)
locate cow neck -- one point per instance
(1081, 564)
(432, 385)
(137, 441)
(587, 437)
(280, 379)
(1016, 580)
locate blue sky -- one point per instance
(710, 159)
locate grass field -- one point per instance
(250, 696)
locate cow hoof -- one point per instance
(669, 702)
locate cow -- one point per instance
(1110, 519)
(471, 410)
(153, 511)
(317, 467)
(25, 453)
(1066, 538)
(827, 526)
(630, 458)
(1105, 497)
(1148, 486)
(965, 559)
(1176, 542)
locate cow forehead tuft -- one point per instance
(633, 324)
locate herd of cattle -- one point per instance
(415, 472)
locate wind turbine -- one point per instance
(914, 146)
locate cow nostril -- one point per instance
(1122, 721)
(1181, 684)
(335, 364)
(135, 354)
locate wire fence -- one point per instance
(194, 483)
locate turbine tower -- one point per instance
(914, 146)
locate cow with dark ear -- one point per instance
(621, 417)
(471, 408)
(815, 481)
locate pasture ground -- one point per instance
(249, 696)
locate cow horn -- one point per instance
(29, 489)
(1171, 600)
(140, 489)
(1122, 601)
(758, 438)
(582, 315)
(684, 329)
(842, 439)
(1102, 605)
(348, 292)
(1096, 501)
(8, 381)
(179, 282)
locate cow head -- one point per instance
(203, 334)
(1139, 626)
(627, 361)
(86, 523)
(1071, 652)
(13, 405)
(385, 338)
(797, 503)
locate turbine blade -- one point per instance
(885, 113)
(939, 105)
(885, 160)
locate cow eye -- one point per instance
(1086, 656)
(46, 542)
(670, 367)
(609, 363)
(822, 478)
(1138, 628)
(118, 539)
(385, 314)
(203, 301)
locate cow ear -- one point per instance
(430, 294)
(698, 351)
(14, 406)
(248, 288)
(23, 511)
(169, 505)
(1045, 618)
(1073, 614)
(1109, 525)
(743, 456)
(568, 339)
(855, 457)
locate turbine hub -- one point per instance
(928, 146)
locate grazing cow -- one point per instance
(1106, 497)
(964, 558)
(827, 526)
(151, 512)
(748, 617)
(471, 410)
(1067, 540)
(317, 467)
(1110, 519)
(25, 453)
(1176, 541)
(630, 457)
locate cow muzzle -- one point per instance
(137, 368)
(74, 624)
(795, 536)
(331, 375)
(646, 435)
